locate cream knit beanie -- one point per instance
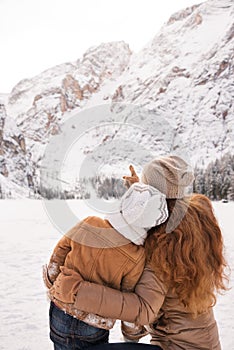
(170, 175)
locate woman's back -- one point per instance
(189, 258)
(176, 328)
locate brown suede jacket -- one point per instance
(100, 254)
(171, 325)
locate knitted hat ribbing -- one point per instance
(170, 175)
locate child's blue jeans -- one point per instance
(67, 332)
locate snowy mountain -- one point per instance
(39, 104)
(16, 167)
(185, 75)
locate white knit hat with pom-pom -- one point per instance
(141, 208)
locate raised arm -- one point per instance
(129, 180)
(141, 307)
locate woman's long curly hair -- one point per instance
(190, 258)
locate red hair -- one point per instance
(190, 258)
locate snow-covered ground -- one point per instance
(27, 238)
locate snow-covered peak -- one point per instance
(112, 57)
(188, 36)
(39, 104)
(180, 15)
(186, 74)
(105, 61)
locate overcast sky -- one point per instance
(38, 34)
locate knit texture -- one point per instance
(141, 208)
(170, 175)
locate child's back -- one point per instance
(100, 254)
(102, 250)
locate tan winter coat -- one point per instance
(101, 255)
(171, 325)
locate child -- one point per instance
(108, 252)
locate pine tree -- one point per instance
(217, 180)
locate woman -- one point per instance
(185, 268)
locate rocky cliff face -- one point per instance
(37, 107)
(39, 104)
(185, 74)
(16, 166)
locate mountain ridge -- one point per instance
(185, 74)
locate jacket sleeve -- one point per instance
(133, 331)
(140, 307)
(58, 257)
